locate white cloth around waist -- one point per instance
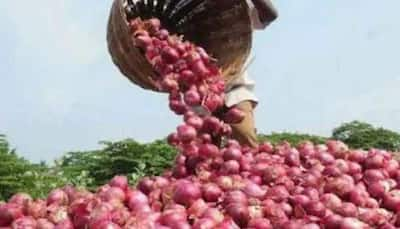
(239, 90)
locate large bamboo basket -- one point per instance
(222, 27)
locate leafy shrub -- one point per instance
(19, 175)
(292, 138)
(363, 135)
(126, 157)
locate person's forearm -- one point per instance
(266, 11)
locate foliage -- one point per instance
(363, 135)
(19, 175)
(292, 138)
(126, 157)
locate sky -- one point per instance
(320, 64)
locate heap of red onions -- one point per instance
(221, 184)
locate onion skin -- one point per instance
(186, 193)
(239, 213)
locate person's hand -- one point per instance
(266, 11)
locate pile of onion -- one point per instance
(216, 182)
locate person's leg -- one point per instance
(245, 132)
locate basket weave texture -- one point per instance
(221, 27)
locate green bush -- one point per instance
(126, 157)
(292, 138)
(19, 175)
(362, 135)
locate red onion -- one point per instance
(342, 165)
(57, 196)
(287, 208)
(204, 223)
(186, 193)
(211, 192)
(234, 115)
(358, 197)
(186, 133)
(391, 200)
(9, 212)
(301, 200)
(316, 209)
(198, 208)
(57, 213)
(195, 122)
(192, 97)
(253, 190)
(375, 162)
(231, 167)
(312, 193)
(20, 198)
(173, 139)
(215, 214)
(36, 209)
(239, 213)
(119, 182)
(278, 193)
(354, 168)
(171, 217)
(24, 223)
(391, 166)
(44, 224)
(347, 210)
(67, 224)
(352, 223)
(373, 175)
(326, 158)
(266, 147)
(113, 193)
(225, 182)
(136, 200)
(232, 153)
(332, 221)
(235, 197)
(260, 223)
(274, 172)
(209, 151)
(337, 148)
(211, 125)
(357, 156)
(292, 158)
(340, 186)
(378, 189)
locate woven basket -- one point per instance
(223, 28)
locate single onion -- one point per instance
(186, 193)
(215, 214)
(211, 192)
(136, 200)
(119, 182)
(239, 213)
(332, 221)
(352, 223)
(20, 198)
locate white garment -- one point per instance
(242, 88)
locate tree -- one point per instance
(19, 175)
(362, 135)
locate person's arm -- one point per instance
(266, 12)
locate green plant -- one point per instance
(363, 135)
(126, 157)
(292, 138)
